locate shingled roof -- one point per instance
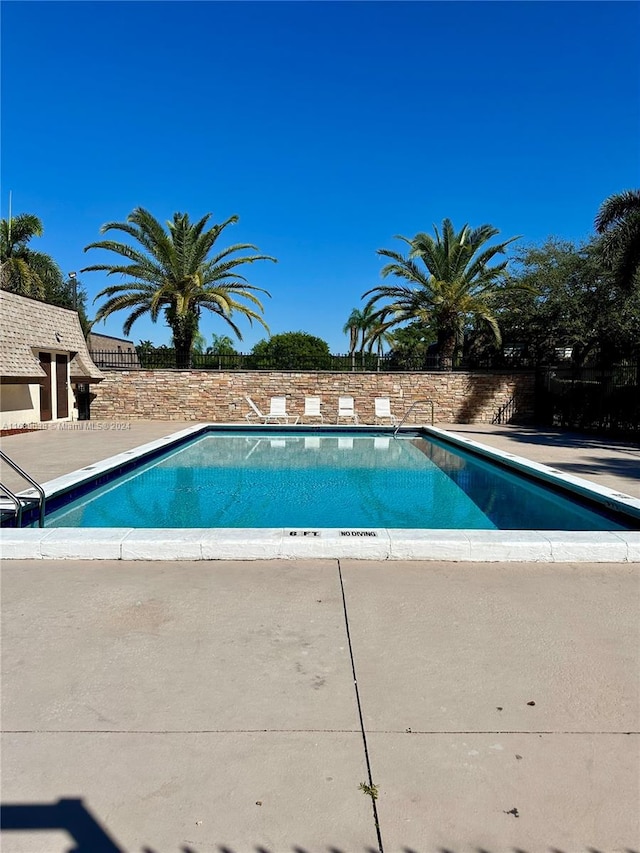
(28, 326)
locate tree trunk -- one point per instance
(184, 328)
(447, 351)
(183, 354)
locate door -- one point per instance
(45, 387)
(62, 386)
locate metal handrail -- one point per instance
(408, 412)
(42, 498)
(16, 501)
(507, 409)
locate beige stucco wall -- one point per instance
(201, 395)
(20, 403)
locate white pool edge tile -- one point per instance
(69, 543)
(633, 548)
(161, 544)
(587, 546)
(430, 545)
(21, 544)
(355, 543)
(233, 544)
(278, 544)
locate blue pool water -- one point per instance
(326, 480)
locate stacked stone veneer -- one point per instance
(201, 395)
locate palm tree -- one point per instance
(359, 327)
(199, 343)
(456, 285)
(618, 221)
(377, 336)
(24, 270)
(352, 328)
(172, 270)
(221, 345)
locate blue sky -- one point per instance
(328, 127)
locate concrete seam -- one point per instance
(360, 717)
(311, 731)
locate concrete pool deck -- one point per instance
(201, 707)
(193, 707)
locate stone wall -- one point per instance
(202, 395)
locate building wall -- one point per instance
(106, 343)
(112, 352)
(20, 403)
(200, 395)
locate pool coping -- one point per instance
(328, 543)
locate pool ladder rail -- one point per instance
(408, 412)
(21, 502)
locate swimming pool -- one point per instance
(328, 480)
(213, 491)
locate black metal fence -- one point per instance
(590, 399)
(117, 360)
(166, 360)
(161, 359)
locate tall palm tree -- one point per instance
(352, 328)
(377, 336)
(358, 327)
(618, 221)
(172, 270)
(449, 283)
(24, 270)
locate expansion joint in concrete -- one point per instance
(369, 788)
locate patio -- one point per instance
(190, 707)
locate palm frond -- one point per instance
(119, 249)
(171, 269)
(135, 315)
(45, 268)
(615, 208)
(119, 302)
(618, 221)
(458, 285)
(17, 276)
(17, 231)
(205, 242)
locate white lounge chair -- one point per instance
(277, 411)
(312, 409)
(383, 411)
(255, 411)
(346, 409)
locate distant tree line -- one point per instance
(452, 295)
(445, 296)
(288, 350)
